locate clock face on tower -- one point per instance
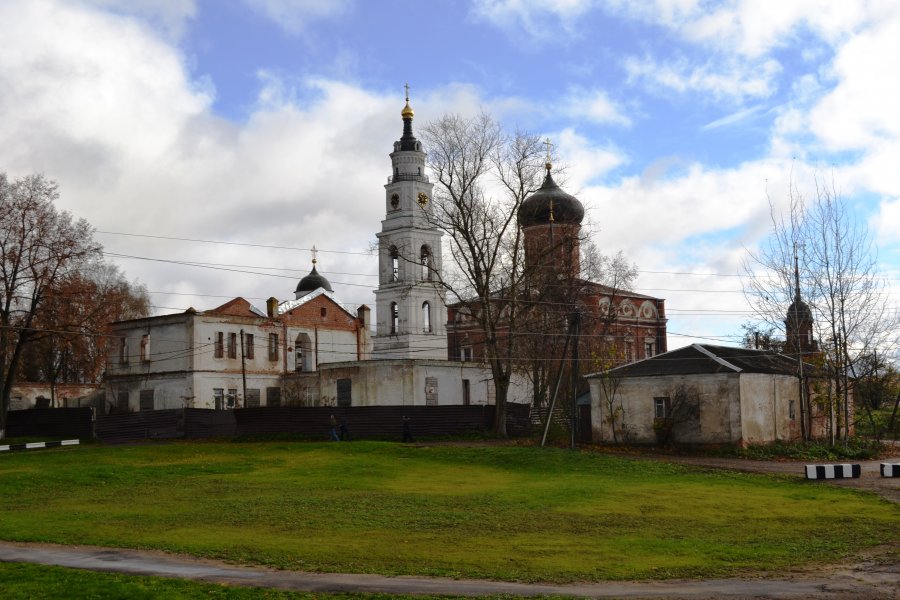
(422, 199)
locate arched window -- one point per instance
(303, 353)
(395, 318)
(426, 317)
(395, 264)
(426, 262)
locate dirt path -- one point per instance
(869, 580)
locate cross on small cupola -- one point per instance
(548, 164)
(314, 253)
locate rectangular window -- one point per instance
(465, 353)
(252, 397)
(248, 345)
(791, 412)
(232, 345)
(219, 398)
(661, 408)
(431, 391)
(467, 393)
(219, 345)
(231, 398)
(145, 347)
(344, 396)
(147, 400)
(648, 349)
(273, 396)
(629, 351)
(123, 351)
(122, 401)
(273, 346)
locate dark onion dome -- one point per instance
(799, 311)
(549, 200)
(311, 283)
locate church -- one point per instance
(616, 326)
(313, 350)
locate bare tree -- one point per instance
(39, 247)
(820, 252)
(482, 175)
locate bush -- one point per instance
(856, 449)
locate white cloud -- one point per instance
(886, 222)
(540, 20)
(170, 16)
(861, 108)
(595, 106)
(108, 110)
(733, 80)
(295, 16)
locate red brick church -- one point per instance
(618, 326)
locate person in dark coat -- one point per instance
(407, 430)
(334, 429)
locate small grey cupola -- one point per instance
(312, 282)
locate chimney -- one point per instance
(362, 313)
(272, 307)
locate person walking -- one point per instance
(334, 430)
(407, 430)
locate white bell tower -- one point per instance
(410, 310)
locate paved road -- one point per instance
(869, 580)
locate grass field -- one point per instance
(504, 512)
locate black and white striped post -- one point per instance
(35, 445)
(890, 469)
(843, 471)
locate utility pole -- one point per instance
(804, 402)
(243, 369)
(576, 330)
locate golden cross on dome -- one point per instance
(406, 87)
(314, 253)
(549, 145)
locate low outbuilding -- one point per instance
(700, 394)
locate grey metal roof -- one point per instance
(708, 358)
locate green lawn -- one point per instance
(505, 512)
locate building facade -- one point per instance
(616, 323)
(701, 394)
(409, 302)
(232, 356)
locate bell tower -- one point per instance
(411, 315)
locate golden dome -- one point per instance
(407, 112)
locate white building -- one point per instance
(704, 394)
(231, 356)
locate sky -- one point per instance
(259, 128)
